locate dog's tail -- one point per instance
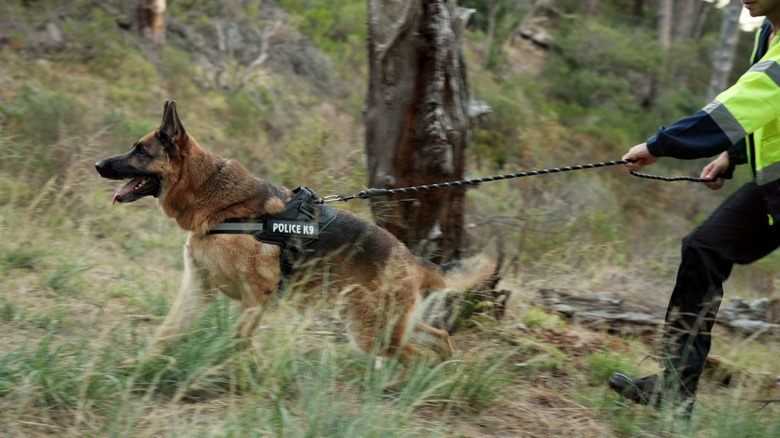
(459, 275)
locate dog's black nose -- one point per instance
(101, 166)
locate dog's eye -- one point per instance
(141, 152)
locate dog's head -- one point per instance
(149, 164)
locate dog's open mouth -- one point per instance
(137, 188)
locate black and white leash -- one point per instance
(372, 193)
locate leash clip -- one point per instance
(332, 198)
(370, 193)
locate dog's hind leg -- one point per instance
(189, 303)
(408, 353)
(442, 337)
(386, 333)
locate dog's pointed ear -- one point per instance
(171, 127)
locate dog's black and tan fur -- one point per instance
(375, 276)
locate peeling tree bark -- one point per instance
(150, 17)
(417, 120)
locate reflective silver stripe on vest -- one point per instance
(238, 227)
(768, 174)
(770, 68)
(725, 121)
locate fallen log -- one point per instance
(603, 311)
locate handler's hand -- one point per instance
(711, 171)
(641, 156)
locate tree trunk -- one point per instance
(665, 24)
(701, 21)
(417, 121)
(727, 46)
(687, 13)
(150, 18)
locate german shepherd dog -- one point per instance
(367, 270)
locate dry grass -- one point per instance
(86, 283)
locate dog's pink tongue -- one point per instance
(125, 189)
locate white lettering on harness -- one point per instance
(294, 228)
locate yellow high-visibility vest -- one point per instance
(750, 109)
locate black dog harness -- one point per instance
(305, 216)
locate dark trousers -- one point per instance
(738, 231)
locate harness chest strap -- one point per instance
(270, 230)
(301, 222)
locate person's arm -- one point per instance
(746, 106)
(695, 136)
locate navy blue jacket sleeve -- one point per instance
(738, 152)
(691, 137)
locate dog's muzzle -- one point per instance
(139, 186)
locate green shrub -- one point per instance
(338, 29)
(38, 118)
(37, 149)
(602, 71)
(126, 129)
(248, 113)
(24, 256)
(178, 72)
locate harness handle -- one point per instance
(373, 193)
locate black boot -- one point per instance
(656, 390)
